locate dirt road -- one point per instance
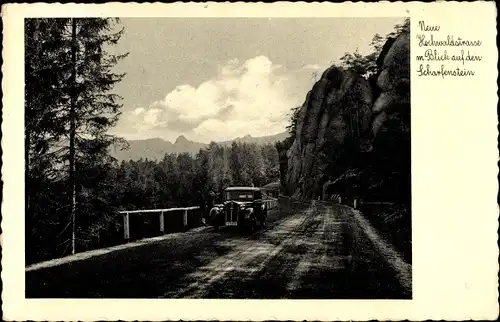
(319, 252)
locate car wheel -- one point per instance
(242, 228)
(253, 226)
(216, 224)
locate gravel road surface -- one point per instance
(320, 252)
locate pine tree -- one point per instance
(201, 178)
(45, 103)
(292, 127)
(271, 163)
(69, 108)
(93, 109)
(44, 122)
(235, 164)
(367, 65)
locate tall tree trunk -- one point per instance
(72, 116)
(357, 121)
(351, 129)
(28, 125)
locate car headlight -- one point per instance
(248, 212)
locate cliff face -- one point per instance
(349, 125)
(337, 108)
(394, 82)
(391, 126)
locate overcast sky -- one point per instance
(214, 79)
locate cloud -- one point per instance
(311, 67)
(252, 97)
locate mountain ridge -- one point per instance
(156, 148)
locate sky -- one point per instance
(214, 79)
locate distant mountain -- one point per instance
(270, 139)
(155, 149)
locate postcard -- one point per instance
(250, 161)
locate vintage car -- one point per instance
(242, 207)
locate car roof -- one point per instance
(242, 188)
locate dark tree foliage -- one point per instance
(292, 127)
(69, 109)
(282, 147)
(367, 65)
(177, 179)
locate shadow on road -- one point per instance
(305, 252)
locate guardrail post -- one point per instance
(126, 226)
(185, 218)
(162, 222)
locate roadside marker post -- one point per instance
(126, 226)
(185, 219)
(162, 222)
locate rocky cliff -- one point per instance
(354, 132)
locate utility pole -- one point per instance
(72, 130)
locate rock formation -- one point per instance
(394, 82)
(338, 107)
(348, 122)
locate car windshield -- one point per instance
(239, 195)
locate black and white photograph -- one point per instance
(283, 161)
(218, 158)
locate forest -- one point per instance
(179, 180)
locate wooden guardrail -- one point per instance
(271, 203)
(359, 202)
(126, 217)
